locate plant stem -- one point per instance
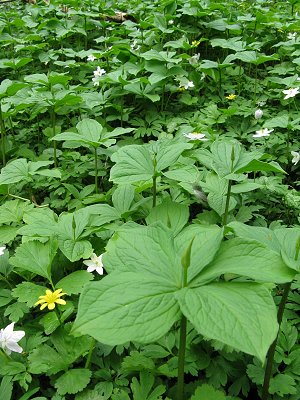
(227, 202)
(154, 191)
(53, 134)
(96, 171)
(89, 356)
(181, 357)
(271, 352)
(2, 129)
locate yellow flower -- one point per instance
(50, 298)
(231, 97)
(196, 43)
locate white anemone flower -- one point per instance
(292, 35)
(9, 339)
(185, 84)
(91, 57)
(258, 113)
(263, 132)
(95, 264)
(296, 157)
(99, 72)
(194, 59)
(195, 136)
(2, 249)
(290, 92)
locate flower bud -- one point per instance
(258, 113)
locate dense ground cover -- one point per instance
(149, 211)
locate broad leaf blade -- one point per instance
(241, 315)
(249, 258)
(126, 307)
(133, 164)
(207, 240)
(35, 257)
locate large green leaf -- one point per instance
(122, 198)
(241, 315)
(249, 258)
(150, 249)
(206, 242)
(15, 171)
(144, 312)
(168, 153)
(133, 163)
(284, 241)
(88, 133)
(70, 228)
(171, 214)
(35, 257)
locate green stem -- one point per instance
(225, 216)
(53, 134)
(96, 171)
(154, 190)
(89, 356)
(181, 358)
(271, 352)
(2, 128)
(2, 278)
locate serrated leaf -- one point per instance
(15, 171)
(282, 384)
(45, 359)
(133, 164)
(73, 381)
(74, 282)
(217, 309)
(28, 292)
(13, 210)
(207, 392)
(8, 233)
(16, 311)
(35, 257)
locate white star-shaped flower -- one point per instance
(296, 157)
(194, 59)
(263, 132)
(99, 72)
(292, 35)
(9, 339)
(91, 57)
(95, 264)
(195, 136)
(290, 93)
(2, 249)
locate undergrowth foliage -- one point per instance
(149, 205)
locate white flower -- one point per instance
(171, 22)
(186, 85)
(9, 339)
(2, 249)
(296, 157)
(261, 103)
(290, 93)
(134, 45)
(95, 264)
(263, 132)
(91, 57)
(99, 72)
(96, 81)
(258, 113)
(292, 35)
(194, 59)
(195, 136)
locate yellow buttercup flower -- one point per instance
(196, 43)
(231, 97)
(50, 298)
